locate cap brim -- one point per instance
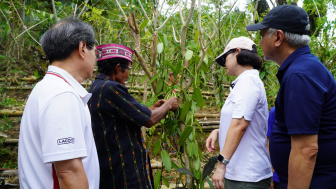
(220, 60)
(255, 27)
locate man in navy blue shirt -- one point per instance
(303, 139)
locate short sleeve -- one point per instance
(303, 104)
(245, 99)
(271, 119)
(61, 130)
(126, 107)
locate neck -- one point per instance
(241, 69)
(284, 52)
(69, 66)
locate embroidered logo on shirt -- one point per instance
(65, 141)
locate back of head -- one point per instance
(62, 39)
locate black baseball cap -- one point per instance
(289, 18)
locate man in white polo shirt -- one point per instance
(56, 145)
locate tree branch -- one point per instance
(84, 9)
(143, 10)
(23, 23)
(185, 27)
(121, 10)
(169, 15)
(180, 10)
(175, 35)
(31, 28)
(54, 9)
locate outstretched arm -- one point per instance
(159, 112)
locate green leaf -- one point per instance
(189, 148)
(143, 24)
(36, 74)
(197, 163)
(8, 30)
(185, 110)
(262, 74)
(210, 182)
(198, 174)
(166, 160)
(159, 85)
(185, 135)
(165, 40)
(178, 67)
(197, 96)
(174, 166)
(165, 181)
(209, 167)
(196, 36)
(159, 48)
(185, 171)
(195, 150)
(149, 23)
(157, 147)
(199, 126)
(2, 57)
(157, 179)
(153, 78)
(189, 54)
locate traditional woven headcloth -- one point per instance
(114, 50)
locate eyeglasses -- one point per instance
(229, 52)
(226, 54)
(127, 67)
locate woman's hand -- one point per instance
(211, 141)
(218, 177)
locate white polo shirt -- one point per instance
(56, 126)
(250, 162)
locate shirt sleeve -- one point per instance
(61, 130)
(303, 104)
(125, 106)
(271, 119)
(246, 97)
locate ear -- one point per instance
(117, 69)
(280, 37)
(82, 49)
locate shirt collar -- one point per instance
(103, 76)
(81, 91)
(245, 73)
(300, 51)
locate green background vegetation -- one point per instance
(183, 36)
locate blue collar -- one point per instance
(298, 52)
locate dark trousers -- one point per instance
(263, 184)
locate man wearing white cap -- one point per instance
(303, 138)
(117, 119)
(243, 160)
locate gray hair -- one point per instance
(64, 37)
(292, 38)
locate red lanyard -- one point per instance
(55, 74)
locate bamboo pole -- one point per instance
(11, 141)
(11, 113)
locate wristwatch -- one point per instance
(222, 159)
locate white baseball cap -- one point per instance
(239, 42)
